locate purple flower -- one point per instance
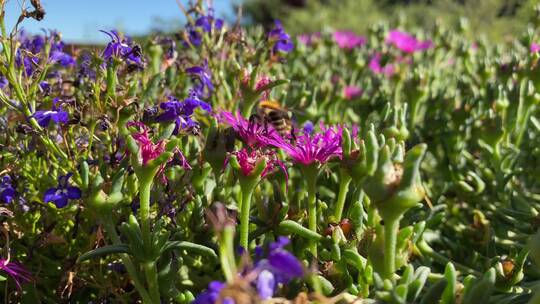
(266, 284)
(406, 42)
(203, 78)
(281, 41)
(56, 114)
(16, 271)
(351, 92)
(251, 133)
(123, 49)
(64, 59)
(376, 67)
(317, 147)
(535, 47)
(85, 67)
(181, 111)
(63, 193)
(3, 82)
(348, 40)
(7, 192)
(211, 295)
(308, 127)
(203, 24)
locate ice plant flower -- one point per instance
(121, 48)
(181, 111)
(56, 114)
(406, 42)
(148, 150)
(348, 40)
(249, 160)
(281, 41)
(61, 194)
(253, 134)
(203, 79)
(314, 148)
(7, 192)
(351, 92)
(376, 67)
(16, 271)
(535, 47)
(309, 39)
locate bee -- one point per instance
(271, 112)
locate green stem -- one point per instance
(145, 186)
(310, 174)
(150, 273)
(126, 260)
(247, 193)
(427, 250)
(344, 181)
(391, 228)
(226, 253)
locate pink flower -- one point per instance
(149, 150)
(406, 42)
(16, 271)
(535, 47)
(309, 39)
(249, 160)
(315, 147)
(351, 92)
(348, 40)
(376, 67)
(252, 133)
(261, 82)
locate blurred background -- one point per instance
(80, 20)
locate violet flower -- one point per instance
(3, 82)
(16, 271)
(348, 40)
(535, 47)
(56, 114)
(308, 127)
(203, 24)
(181, 111)
(406, 42)
(211, 295)
(251, 133)
(351, 92)
(203, 79)
(281, 41)
(316, 147)
(123, 49)
(7, 192)
(61, 194)
(376, 67)
(33, 45)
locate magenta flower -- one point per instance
(248, 161)
(351, 92)
(406, 42)
(535, 47)
(348, 40)
(376, 67)
(251, 133)
(16, 271)
(315, 147)
(309, 39)
(149, 150)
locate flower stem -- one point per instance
(344, 182)
(226, 253)
(247, 192)
(144, 211)
(152, 281)
(310, 172)
(391, 229)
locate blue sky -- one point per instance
(80, 20)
